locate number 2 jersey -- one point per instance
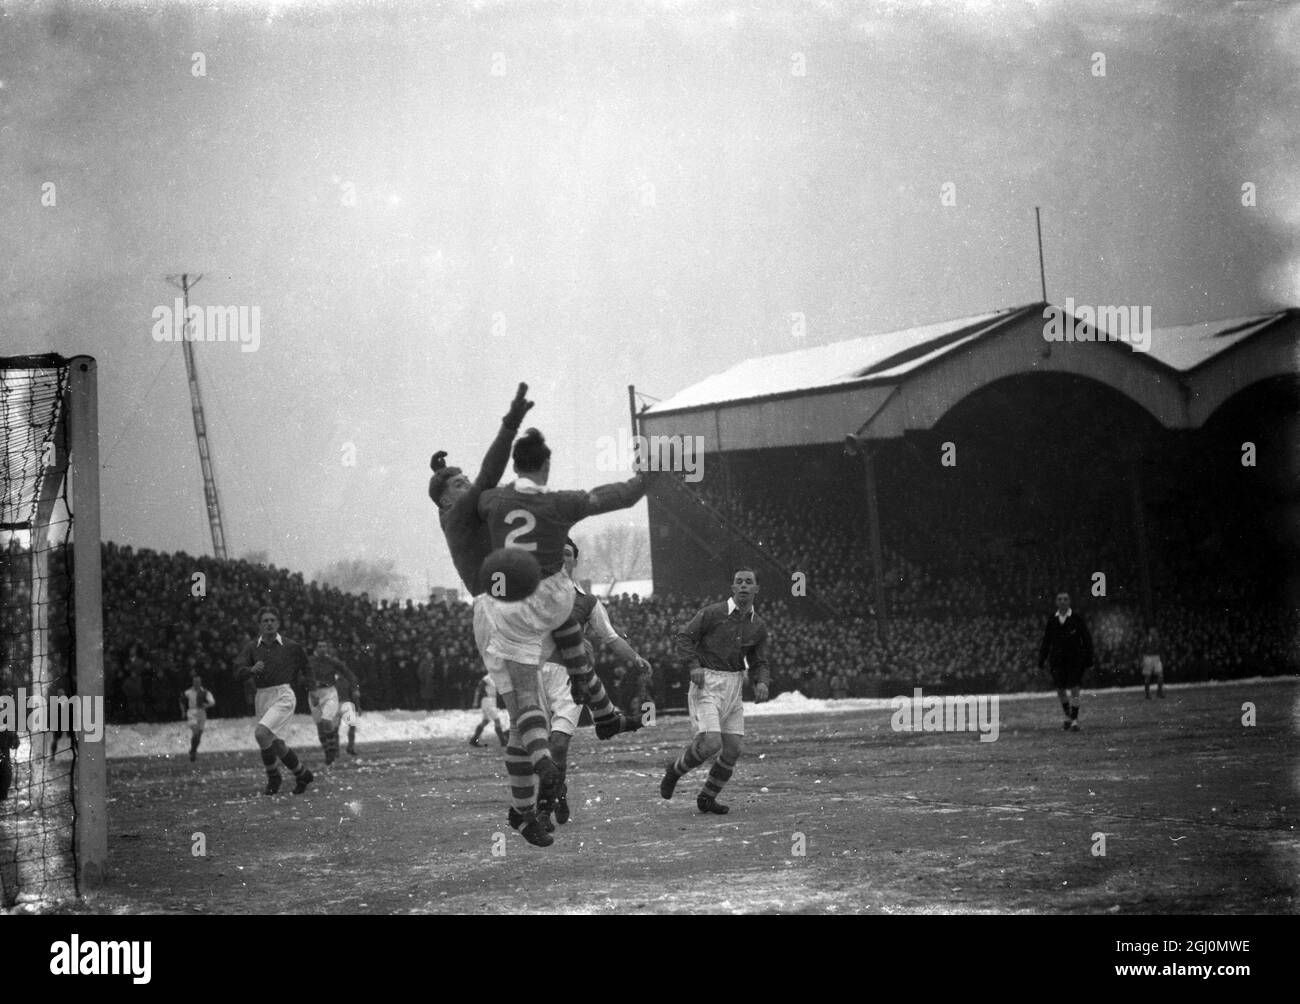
(535, 518)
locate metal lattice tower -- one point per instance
(184, 283)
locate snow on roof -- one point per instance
(1186, 347)
(826, 365)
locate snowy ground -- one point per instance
(230, 735)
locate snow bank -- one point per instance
(235, 735)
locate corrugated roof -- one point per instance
(1186, 347)
(895, 354)
(827, 365)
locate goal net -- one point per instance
(53, 824)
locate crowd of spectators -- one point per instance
(167, 616)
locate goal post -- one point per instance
(90, 777)
(53, 816)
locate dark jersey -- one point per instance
(531, 517)
(286, 662)
(326, 671)
(466, 532)
(725, 641)
(1066, 647)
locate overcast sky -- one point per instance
(428, 203)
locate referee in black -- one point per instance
(1067, 650)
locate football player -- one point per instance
(1151, 664)
(275, 664)
(485, 696)
(469, 542)
(529, 515)
(323, 673)
(559, 699)
(195, 706)
(718, 644)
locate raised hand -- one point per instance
(519, 407)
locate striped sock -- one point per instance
(287, 757)
(523, 782)
(718, 777)
(598, 699)
(268, 761)
(688, 761)
(568, 644)
(530, 727)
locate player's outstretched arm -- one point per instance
(498, 454)
(612, 497)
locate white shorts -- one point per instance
(557, 699)
(198, 718)
(496, 667)
(1151, 664)
(489, 708)
(348, 714)
(717, 706)
(324, 704)
(274, 706)
(521, 631)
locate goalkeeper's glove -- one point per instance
(518, 409)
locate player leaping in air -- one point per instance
(469, 542)
(529, 515)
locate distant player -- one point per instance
(324, 671)
(349, 689)
(275, 664)
(528, 514)
(195, 706)
(1151, 663)
(1067, 651)
(485, 696)
(719, 645)
(557, 692)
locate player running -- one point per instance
(718, 644)
(529, 515)
(275, 664)
(558, 698)
(195, 706)
(485, 696)
(324, 671)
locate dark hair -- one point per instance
(269, 610)
(746, 568)
(568, 542)
(531, 452)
